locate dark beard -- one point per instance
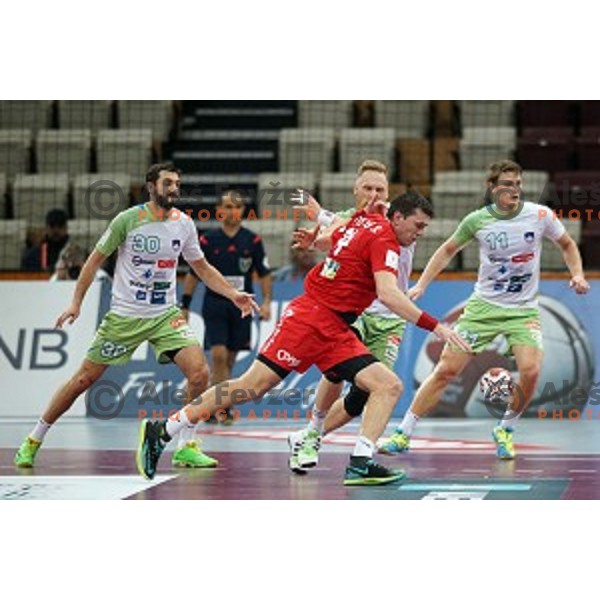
(163, 202)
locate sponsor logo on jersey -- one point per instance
(138, 260)
(166, 263)
(329, 269)
(285, 357)
(498, 259)
(139, 295)
(176, 245)
(529, 236)
(139, 284)
(245, 264)
(148, 274)
(158, 298)
(523, 258)
(162, 285)
(391, 259)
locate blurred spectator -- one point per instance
(42, 256)
(302, 260)
(69, 263)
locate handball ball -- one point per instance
(496, 385)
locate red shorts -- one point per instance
(309, 334)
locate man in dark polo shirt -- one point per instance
(236, 252)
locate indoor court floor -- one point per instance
(450, 460)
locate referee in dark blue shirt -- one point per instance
(236, 252)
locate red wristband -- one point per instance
(426, 321)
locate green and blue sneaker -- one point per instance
(151, 443)
(25, 455)
(397, 443)
(504, 443)
(363, 470)
(191, 455)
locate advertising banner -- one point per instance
(35, 358)
(570, 329)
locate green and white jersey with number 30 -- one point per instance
(509, 252)
(149, 248)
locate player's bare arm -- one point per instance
(572, 258)
(190, 282)
(87, 275)
(266, 285)
(217, 283)
(398, 302)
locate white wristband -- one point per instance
(325, 218)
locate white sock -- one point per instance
(408, 423)
(317, 421)
(176, 423)
(187, 434)
(364, 447)
(509, 420)
(40, 430)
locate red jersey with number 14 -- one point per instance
(344, 282)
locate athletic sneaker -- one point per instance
(25, 455)
(504, 443)
(192, 456)
(150, 447)
(295, 440)
(397, 443)
(304, 447)
(363, 470)
(308, 454)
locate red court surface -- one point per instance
(453, 461)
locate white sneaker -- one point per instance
(295, 441)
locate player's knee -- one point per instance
(355, 400)
(390, 387)
(396, 388)
(445, 372)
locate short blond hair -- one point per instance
(502, 166)
(372, 165)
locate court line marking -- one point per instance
(491, 487)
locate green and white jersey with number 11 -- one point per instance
(149, 248)
(509, 252)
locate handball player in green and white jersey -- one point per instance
(149, 239)
(380, 329)
(509, 232)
